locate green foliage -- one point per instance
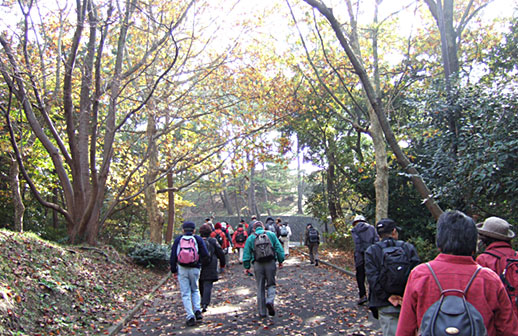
(150, 255)
(52, 289)
(339, 240)
(426, 250)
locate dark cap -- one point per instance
(188, 226)
(386, 225)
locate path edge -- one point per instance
(114, 329)
(343, 270)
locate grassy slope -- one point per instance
(49, 289)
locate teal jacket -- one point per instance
(248, 252)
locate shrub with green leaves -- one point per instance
(150, 255)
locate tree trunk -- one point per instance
(381, 183)
(19, 208)
(150, 195)
(300, 187)
(170, 210)
(252, 204)
(226, 202)
(375, 102)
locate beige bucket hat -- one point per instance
(495, 227)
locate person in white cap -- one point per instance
(495, 236)
(364, 235)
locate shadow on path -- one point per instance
(310, 301)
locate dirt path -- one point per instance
(310, 301)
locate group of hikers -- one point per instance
(470, 288)
(457, 293)
(198, 260)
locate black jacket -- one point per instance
(210, 271)
(373, 264)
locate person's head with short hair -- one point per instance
(309, 226)
(240, 225)
(456, 234)
(278, 220)
(188, 227)
(205, 230)
(387, 227)
(207, 219)
(258, 224)
(242, 220)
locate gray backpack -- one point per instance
(263, 249)
(452, 315)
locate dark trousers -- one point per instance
(206, 291)
(360, 278)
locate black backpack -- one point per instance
(395, 267)
(313, 236)
(240, 236)
(263, 249)
(452, 315)
(219, 238)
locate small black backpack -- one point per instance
(313, 236)
(395, 267)
(452, 315)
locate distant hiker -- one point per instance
(187, 255)
(220, 236)
(312, 240)
(253, 220)
(270, 226)
(226, 228)
(387, 265)
(495, 236)
(284, 235)
(263, 249)
(485, 306)
(245, 224)
(209, 272)
(209, 221)
(239, 239)
(364, 235)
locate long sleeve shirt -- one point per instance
(248, 251)
(487, 294)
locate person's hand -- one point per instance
(395, 300)
(280, 265)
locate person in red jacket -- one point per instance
(456, 239)
(495, 236)
(238, 239)
(220, 236)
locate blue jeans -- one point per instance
(188, 280)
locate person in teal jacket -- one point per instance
(265, 271)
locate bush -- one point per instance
(425, 249)
(150, 255)
(339, 240)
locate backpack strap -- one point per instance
(465, 289)
(435, 277)
(472, 278)
(492, 254)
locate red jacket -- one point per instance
(503, 250)
(236, 244)
(487, 294)
(223, 235)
